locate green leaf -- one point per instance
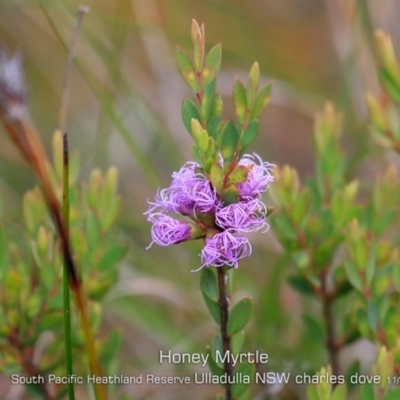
(315, 331)
(238, 175)
(230, 138)
(237, 342)
(312, 392)
(213, 308)
(207, 99)
(216, 176)
(367, 392)
(353, 275)
(109, 348)
(301, 258)
(301, 206)
(261, 102)
(111, 257)
(217, 348)
(249, 134)
(215, 369)
(198, 44)
(352, 336)
(390, 326)
(245, 372)
(370, 266)
(215, 116)
(239, 98)
(202, 141)
(372, 315)
(189, 112)
(240, 315)
(302, 285)
(230, 195)
(93, 230)
(209, 284)
(212, 64)
(51, 320)
(339, 393)
(389, 84)
(186, 69)
(254, 81)
(196, 154)
(284, 226)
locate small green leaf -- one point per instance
(312, 392)
(230, 138)
(367, 392)
(215, 369)
(207, 99)
(186, 69)
(111, 257)
(372, 315)
(216, 347)
(198, 44)
(189, 112)
(210, 153)
(202, 141)
(216, 176)
(302, 285)
(212, 64)
(254, 81)
(237, 342)
(261, 102)
(239, 98)
(315, 331)
(249, 134)
(215, 116)
(238, 175)
(284, 226)
(110, 347)
(301, 258)
(245, 373)
(209, 284)
(230, 195)
(240, 315)
(93, 230)
(339, 393)
(370, 267)
(342, 289)
(353, 275)
(196, 154)
(389, 84)
(213, 308)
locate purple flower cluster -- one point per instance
(191, 195)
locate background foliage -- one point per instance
(127, 95)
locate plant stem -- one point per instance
(327, 303)
(223, 301)
(67, 309)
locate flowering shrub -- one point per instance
(217, 221)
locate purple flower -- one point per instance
(258, 178)
(189, 192)
(166, 230)
(192, 195)
(246, 216)
(224, 249)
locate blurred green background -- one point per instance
(126, 95)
